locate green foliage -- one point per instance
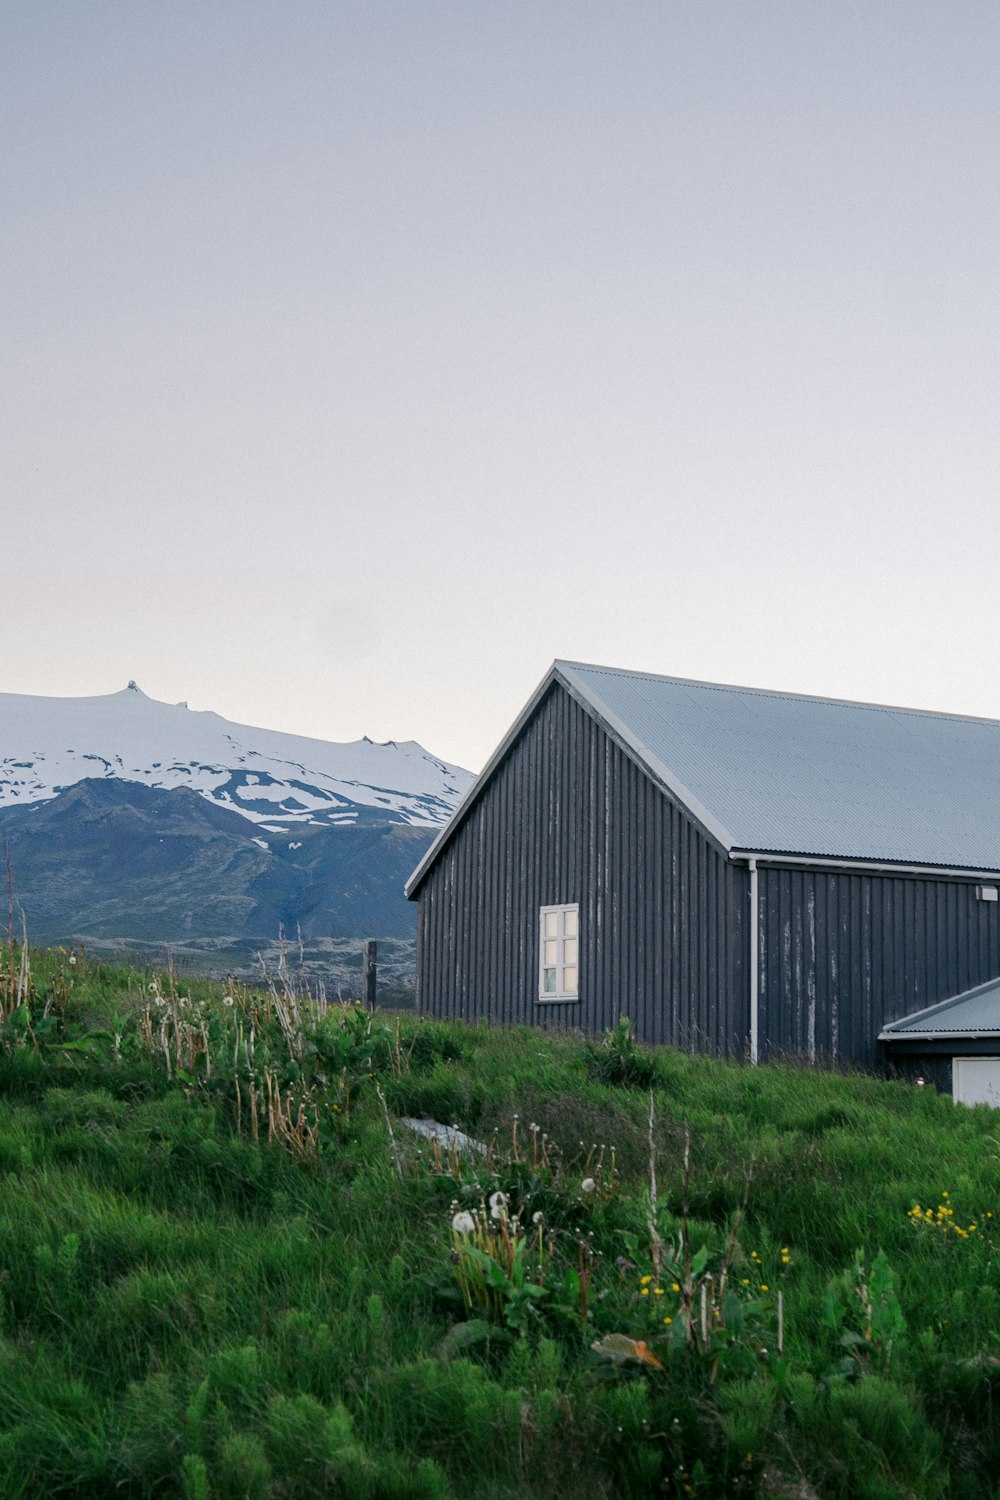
(862, 1308)
(228, 1268)
(620, 1061)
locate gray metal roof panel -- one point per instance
(973, 1013)
(780, 772)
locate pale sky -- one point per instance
(358, 359)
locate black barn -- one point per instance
(746, 873)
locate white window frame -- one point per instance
(563, 958)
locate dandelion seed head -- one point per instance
(463, 1223)
(588, 1185)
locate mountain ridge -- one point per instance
(264, 775)
(129, 818)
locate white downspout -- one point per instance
(754, 965)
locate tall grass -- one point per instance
(229, 1268)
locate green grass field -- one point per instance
(228, 1268)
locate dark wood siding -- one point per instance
(569, 816)
(843, 954)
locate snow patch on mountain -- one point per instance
(49, 744)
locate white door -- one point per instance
(976, 1080)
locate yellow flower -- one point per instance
(763, 1286)
(746, 1281)
(659, 1292)
(645, 1280)
(675, 1286)
(668, 1320)
(644, 1292)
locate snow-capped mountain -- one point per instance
(278, 781)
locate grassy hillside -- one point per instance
(229, 1268)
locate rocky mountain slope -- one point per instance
(128, 818)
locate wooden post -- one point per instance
(369, 971)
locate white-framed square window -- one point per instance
(559, 953)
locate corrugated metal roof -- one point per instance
(974, 1013)
(783, 773)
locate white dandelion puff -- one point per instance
(463, 1223)
(588, 1185)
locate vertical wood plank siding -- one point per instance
(843, 954)
(569, 817)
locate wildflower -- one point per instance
(498, 1205)
(463, 1223)
(152, 988)
(764, 1286)
(645, 1280)
(668, 1321)
(72, 959)
(228, 1000)
(644, 1292)
(675, 1286)
(538, 1217)
(588, 1185)
(659, 1292)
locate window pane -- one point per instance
(570, 925)
(569, 951)
(549, 981)
(550, 919)
(551, 954)
(569, 980)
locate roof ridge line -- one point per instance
(779, 693)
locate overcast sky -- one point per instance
(359, 359)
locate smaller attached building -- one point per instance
(955, 1045)
(741, 872)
